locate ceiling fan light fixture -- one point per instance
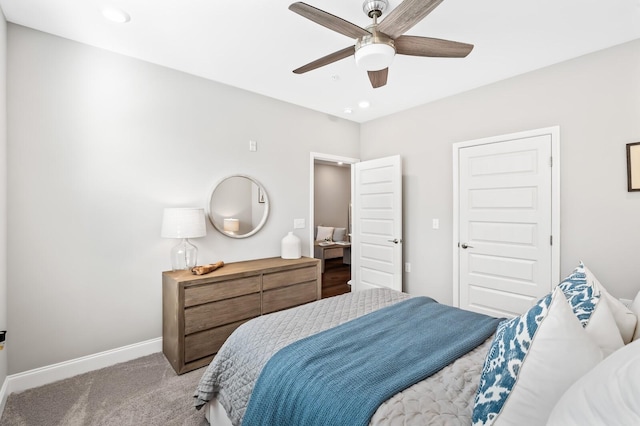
(375, 56)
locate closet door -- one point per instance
(505, 252)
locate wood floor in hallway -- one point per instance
(335, 277)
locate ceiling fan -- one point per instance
(377, 44)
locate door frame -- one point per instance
(312, 164)
(554, 132)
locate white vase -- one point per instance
(290, 247)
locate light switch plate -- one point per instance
(298, 223)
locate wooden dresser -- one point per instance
(200, 312)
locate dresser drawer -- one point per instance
(287, 297)
(219, 313)
(286, 278)
(205, 343)
(212, 292)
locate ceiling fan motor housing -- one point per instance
(374, 7)
(374, 52)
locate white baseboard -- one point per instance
(63, 370)
(3, 396)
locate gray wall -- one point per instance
(3, 190)
(594, 99)
(99, 144)
(332, 195)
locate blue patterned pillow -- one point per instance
(510, 345)
(581, 295)
(532, 361)
(589, 303)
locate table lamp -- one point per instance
(183, 223)
(231, 225)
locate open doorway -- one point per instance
(330, 220)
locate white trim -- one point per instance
(63, 370)
(3, 395)
(555, 197)
(455, 281)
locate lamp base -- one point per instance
(184, 256)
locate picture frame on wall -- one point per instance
(633, 166)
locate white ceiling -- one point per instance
(255, 44)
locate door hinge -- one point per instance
(550, 240)
(550, 161)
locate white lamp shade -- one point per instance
(183, 223)
(231, 225)
(374, 57)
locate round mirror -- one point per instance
(238, 206)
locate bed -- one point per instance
(479, 387)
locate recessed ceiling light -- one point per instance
(118, 16)
(348, 110)
(364, 104)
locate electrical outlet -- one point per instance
(253, 146)
(407, 267)
(298, 223)
(435, 224)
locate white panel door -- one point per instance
(376, 245)
(505, 225)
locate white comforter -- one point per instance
(446, 398)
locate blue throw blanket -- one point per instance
(341, 376)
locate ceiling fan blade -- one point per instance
(433, 47)
(406, 15)
(378, 78)
(328, 20)
(326, 60)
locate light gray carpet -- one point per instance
(144, 391)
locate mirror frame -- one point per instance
(219, 227)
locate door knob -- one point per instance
(394, 241)
(465, 246)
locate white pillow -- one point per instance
(533, 360)
(339, 233)
(603, 329)
(592, 308)
(324, 232)
(606, 395)
(625, 319)
(635, 308)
